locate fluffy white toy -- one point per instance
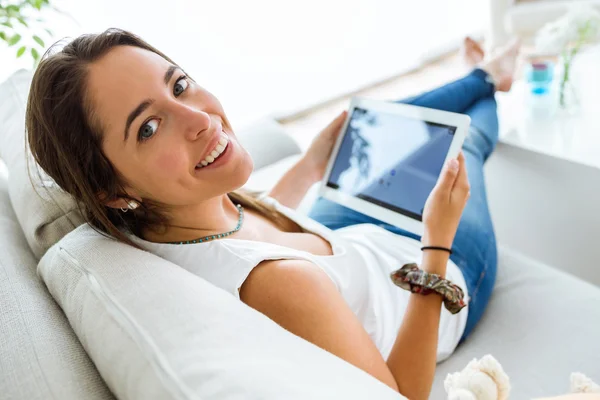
(480, 380)
(486, 380)
(582, 384)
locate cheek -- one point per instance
(169, 163)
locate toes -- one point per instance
(472, 51)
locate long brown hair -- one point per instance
(66, 142)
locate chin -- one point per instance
(242, 172)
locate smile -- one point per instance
(216, 152)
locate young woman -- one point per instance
(155, 163)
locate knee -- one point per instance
(478, 144)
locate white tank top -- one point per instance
(363, 258)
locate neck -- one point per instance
(212, 216)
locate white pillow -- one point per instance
(156, 331)
(45, 213)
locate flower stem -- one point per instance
(568, 59)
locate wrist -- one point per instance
(310, 170)
(433, 239)
(435, 262)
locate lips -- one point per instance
(217, 148)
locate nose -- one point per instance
(192, 121)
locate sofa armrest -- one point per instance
(267, 142)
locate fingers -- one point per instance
(336, 124)
(448, 176)
(462, 181)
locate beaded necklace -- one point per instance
(220, 235)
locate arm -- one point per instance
(413, 357)
(292, 187)
(301, 298)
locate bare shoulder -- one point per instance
(300, 296)
(275, 286)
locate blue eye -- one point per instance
(180, 86)
(148, 130)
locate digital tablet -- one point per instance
(388, 157)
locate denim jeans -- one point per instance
(474, 248)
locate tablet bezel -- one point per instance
(411, 224)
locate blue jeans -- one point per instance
(474, 248)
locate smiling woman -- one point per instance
(153, 160)
(134, 130)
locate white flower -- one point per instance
(579, 23)
(554, 36)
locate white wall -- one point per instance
(265, 57)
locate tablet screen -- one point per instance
(391, 160)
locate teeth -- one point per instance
(220, 148)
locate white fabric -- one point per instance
(40, 356)
(363, 258)
(156, 331)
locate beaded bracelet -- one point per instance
(415, 280)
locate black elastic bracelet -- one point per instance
(436, 248)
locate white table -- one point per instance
(575, 137)
(544, 179)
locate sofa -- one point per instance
(85, 317)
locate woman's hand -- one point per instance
(316, 158)
(445, 204)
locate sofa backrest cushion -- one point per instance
(45, 212)
(157, 331)
(40, 355)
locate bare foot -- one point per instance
(472, 52)
(502, 65)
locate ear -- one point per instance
(118, 202)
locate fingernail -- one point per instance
(453, 164)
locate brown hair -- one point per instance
(66, 142)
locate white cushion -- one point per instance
(263, 180)
(156, 331)
(541, 324)
(40, 356)
(45, 212)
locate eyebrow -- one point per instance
(146, 103)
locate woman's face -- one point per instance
(168, 137)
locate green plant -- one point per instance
(21, 26)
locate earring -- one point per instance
(131, 205)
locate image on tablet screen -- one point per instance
(391, 160)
